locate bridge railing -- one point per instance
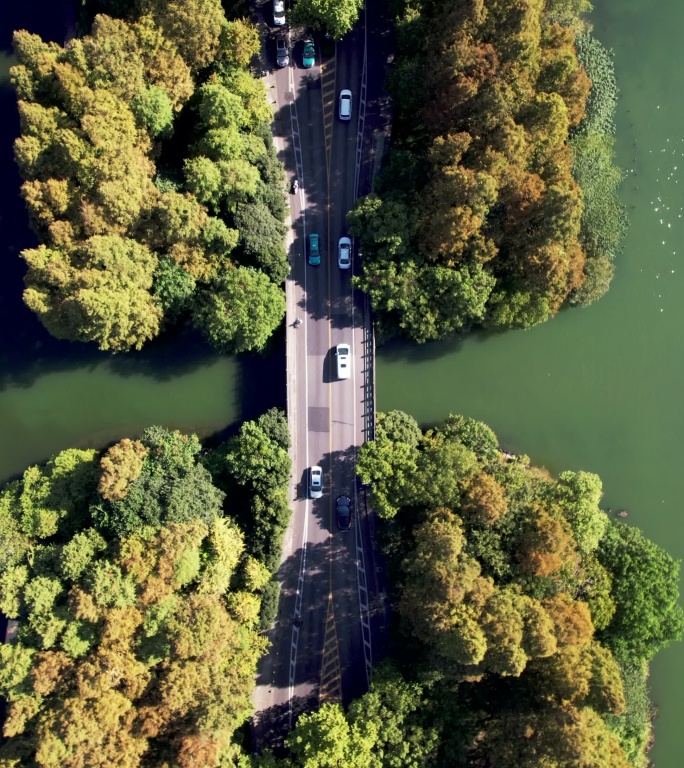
(368, 371)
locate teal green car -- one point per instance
(314, 250)
(309, 54)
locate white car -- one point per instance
(315, 482)
(345, 108)
(279, 12)
(344, 251)
(343, 358)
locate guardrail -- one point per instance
(368, 371)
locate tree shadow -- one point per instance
(270, 727)
(342, 308)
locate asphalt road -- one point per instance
(331, 609)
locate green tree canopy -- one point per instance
(646, 591)
(126, 246)
(487, 210)
(242, 310)
(334, 18)
(131, 604)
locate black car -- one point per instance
(343, 506)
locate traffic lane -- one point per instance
(346, 328)
(343, 156)
(349, 54)
(347, 410)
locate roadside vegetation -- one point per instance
(497, 203)
(141, 577)
(525, 615)
(334, 17)
(151, 179)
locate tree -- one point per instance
(571, 618)
(384, 227)
(545, 546)
(645, 589)
(390, 467)
(581, 493)
(120, 251)
(484, 500)
(122, 687)
(580, 675)
(239, 42)
(154, 110)
(325, 739)
(562, 736)
(398, 427)
(204, 180)
(80, 552)
(476, 217)
(121, 465)
(439, 580)
(52, 497)
(274, 424)
(475, 435)
(171, 486)
(334, 18)
(255, 459)
(193, 25)
(447, 460)
(405, 738)
(99, 292)
(261, 238)
(242, 310)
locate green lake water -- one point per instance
(601, 388)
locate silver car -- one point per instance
(344, 250)
(315, 482)
(282, 56)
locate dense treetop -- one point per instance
(142, 222)
(490, 210)
(526, 615)
(334, 17)
(138, 592)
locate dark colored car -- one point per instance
(343, 508)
